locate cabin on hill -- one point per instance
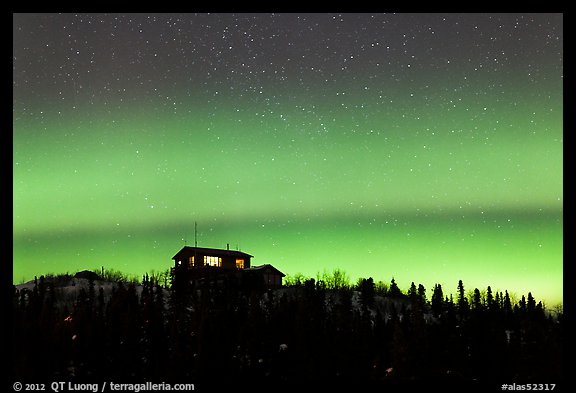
(215, 266)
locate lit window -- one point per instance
(212, 261)
(239, 263)
(191, 261)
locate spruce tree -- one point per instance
(507, 304)
(489, 299)
(462, 301)
(531, 304)
(412, 292)
(437, 300)
(422, 293)
(394, 291)
(477, 300)
(522, 305)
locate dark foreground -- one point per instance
(291, 339)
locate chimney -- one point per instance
(228, 246)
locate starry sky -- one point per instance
(424, 147)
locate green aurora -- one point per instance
(446, 176)
(422, 203)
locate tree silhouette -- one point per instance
(412, 292)
(367, 291)
(462, 301)
(394, 291)
(422, 294)
(477, 300)
(530, 304)
(490, 299)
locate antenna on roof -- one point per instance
(195, 234)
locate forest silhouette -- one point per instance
(320, 330)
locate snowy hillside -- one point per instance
(68, 290)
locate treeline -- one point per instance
(104, 274)
(338, 279)
(307, 332)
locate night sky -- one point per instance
(424, 147)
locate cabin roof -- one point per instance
(187, 250)
(266, 266)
